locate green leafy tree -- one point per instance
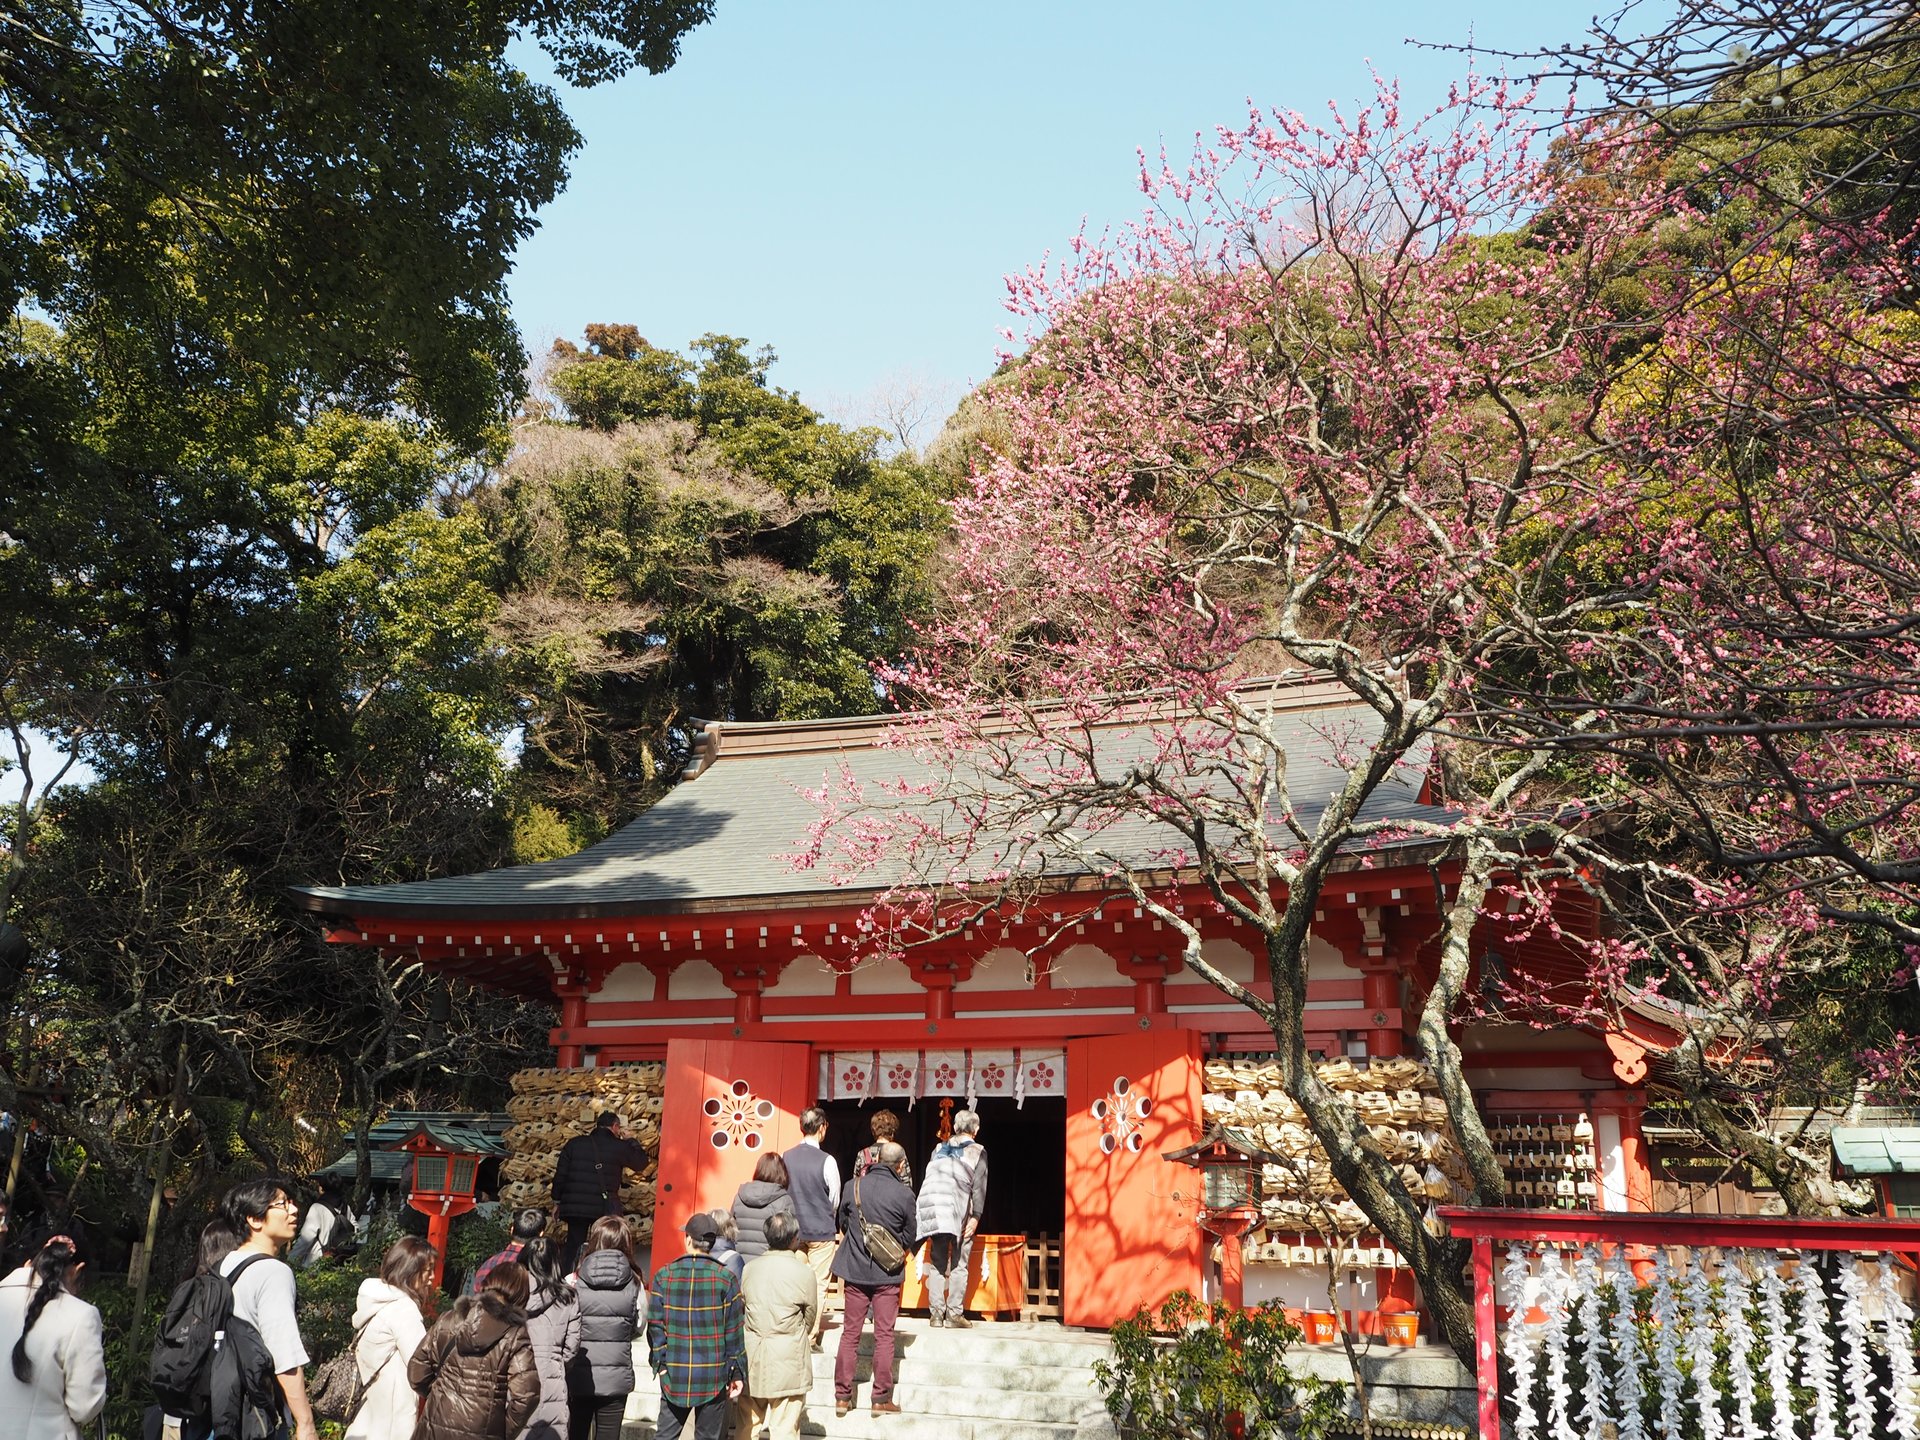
(327, 191)
(690, 542)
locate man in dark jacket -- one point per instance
(586, 1178)
(880, 1197)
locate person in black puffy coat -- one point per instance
(587, 1176)
(764, 1195)
(612, 1300)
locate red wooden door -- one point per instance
(728, 1102)
(1132, 1236)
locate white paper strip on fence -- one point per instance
(1816, 1352)
(1554, 1342)
(1597, 1399)
(1042, 1072)
(1896, 1321)
(1702, 1333)
(1520, 1342)
(1738, 1301)
(1630, 1389)
(850, 1075)
(899, 1073)
(1816, 1336)
(1854, 1330)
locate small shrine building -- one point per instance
(689, 938)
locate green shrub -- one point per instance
(1208, 1372)
(474, 1238)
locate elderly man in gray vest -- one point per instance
(953, 1197)
(813, 1180)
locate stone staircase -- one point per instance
(997, 1381)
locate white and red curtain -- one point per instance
(1006, 1071)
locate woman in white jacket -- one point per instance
(53, 1372)
(389, 1322)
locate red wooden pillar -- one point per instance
(1486, 1340)
(1149, 974)
(1380, 988)
(1368, 941)
(573, 1020)
(938, 976)
(1636, 1173)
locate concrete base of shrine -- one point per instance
(1425, 1383)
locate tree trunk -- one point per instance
(1370, 1179)
(163, 1161)
(363, 1146)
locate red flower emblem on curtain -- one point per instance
(993, 1075)
(1039, 1075)
(853, 1078)
(945, 1076)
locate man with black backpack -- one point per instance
(329, 1230)
(229, 1358)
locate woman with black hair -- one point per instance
(53, 1371)
(553, 1328)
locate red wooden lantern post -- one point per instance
(441, 1187)
(1229, 1206)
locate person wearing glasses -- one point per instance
(262, 1219)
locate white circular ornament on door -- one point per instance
(1119, 1114)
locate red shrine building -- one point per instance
(1090, 1053)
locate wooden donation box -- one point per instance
(996, 1275)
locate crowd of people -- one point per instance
(542, 1348)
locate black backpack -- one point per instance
(343, 1236)
(212, 1370)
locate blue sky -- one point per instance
(848, 182)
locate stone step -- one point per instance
(983, 1344)
(860, 1424)
(1040, 1379)
(977, 1402)
(993, 1382)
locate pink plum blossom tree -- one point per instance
(1412, 412)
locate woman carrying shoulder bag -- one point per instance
(53, 1372)
(553, 1325)
(476, 1366)
(390, 1317)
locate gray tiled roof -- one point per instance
(724, 835)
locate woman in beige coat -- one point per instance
(53, 1373)
(781, 1296)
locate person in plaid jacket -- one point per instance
(694, 1338)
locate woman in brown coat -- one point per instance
(476, 1367)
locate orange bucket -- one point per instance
(1320, 1327)
(1402, 1328)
